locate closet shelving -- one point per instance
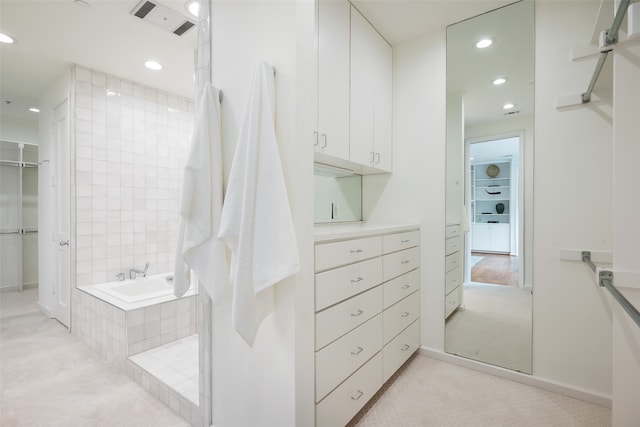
(491, 225)
(18, 213)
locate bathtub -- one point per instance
(136, 293)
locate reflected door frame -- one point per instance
(519, 194)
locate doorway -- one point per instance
(493, 174)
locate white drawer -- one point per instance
(400, 287)
(335, 285)
(452, 231)
(399, 316)
(452, 245)
(399, 241)
(336, 321)
(337, 361)
(335, 254)
(399, 349)
(398, 263)
(452, 261)
(452, 280)
(346, 400)
(452, 301)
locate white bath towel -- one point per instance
(201, 205)
(256, 219)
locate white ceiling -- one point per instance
(52, 34)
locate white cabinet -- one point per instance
(367, 309)
(332, 136)
(491, 237)
(453, 268)
(371, 95)
(355, 66)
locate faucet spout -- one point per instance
(133, 272)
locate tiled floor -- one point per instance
(175, 364)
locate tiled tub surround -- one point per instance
(130, 146)
(130, 336)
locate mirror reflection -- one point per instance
(489, 188)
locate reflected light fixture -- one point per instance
(193, 6)
(508, 106)
(34, 109)
(499, 81)
(484, 43)
(4, 38)
(153, 65)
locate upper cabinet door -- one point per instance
(362, 91)
(371, 95)
(333, 78)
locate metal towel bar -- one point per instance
(605, 279)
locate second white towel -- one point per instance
(256, 219)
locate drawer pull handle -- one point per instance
(405, 286)
(357, 352)
(360, 393)
(357, 313)
(405, 314)
(406, 261)
(356, 251)
(357, 279)
(405, 241)
(405, 347)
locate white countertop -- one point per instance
(349, 230)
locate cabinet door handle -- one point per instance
(360, 393)
(405, 347)
(315, 138)
(357, 352)
(357, 313)
(405, 241)
(378, 158)
(324, 137)
(406, 261)
(373, 156)
(405, 314)
(355, 251)
(405, 286)
(357, 279)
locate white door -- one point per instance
(61, 308)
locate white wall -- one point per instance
(573, 152)
(572, 338)
(14, 129)
(256, 386)
(626, 232)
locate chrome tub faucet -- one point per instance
(133, 272)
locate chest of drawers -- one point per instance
(367, 303)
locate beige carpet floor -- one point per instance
(50, 378)
(494, 327)
(431, 393)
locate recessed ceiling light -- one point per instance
(508, 106)
(34, 109)
(6, 39)
(193, 6)
(81, 3)
(153, 65)
(499, 81)
(484, 43)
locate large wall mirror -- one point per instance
(490, 87)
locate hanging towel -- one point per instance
(256, 219)
(201, 206)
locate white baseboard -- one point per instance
(44, 309)
(532, 380)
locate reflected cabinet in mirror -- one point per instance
(490, 87)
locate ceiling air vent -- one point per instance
(163, 17)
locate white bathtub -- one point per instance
(136, 293)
